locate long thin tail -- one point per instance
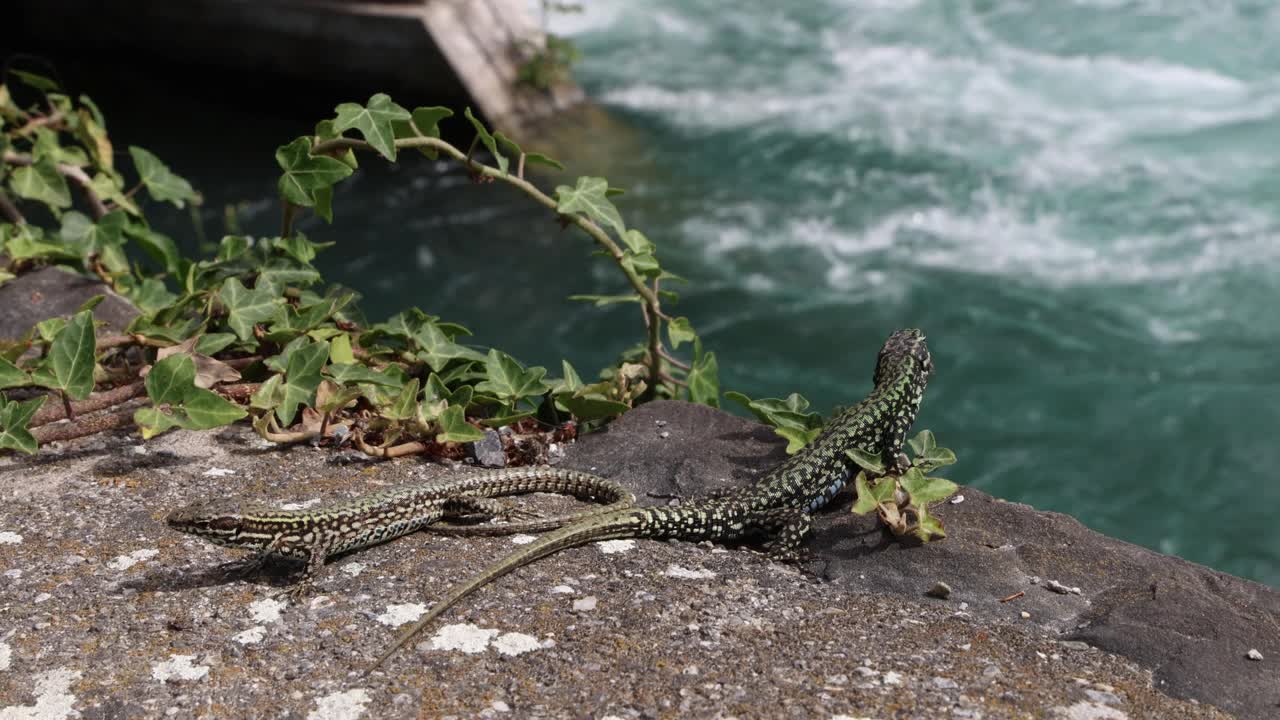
(621, 524)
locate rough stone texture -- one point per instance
(105, 612)
(53, 292)
(1191, 625)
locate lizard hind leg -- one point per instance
(787, 528)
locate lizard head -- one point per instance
(904, 352)
(218, 521)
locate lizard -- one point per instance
(312, 535)
(776, 506)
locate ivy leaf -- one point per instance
(354, 373)
(213, 343)
(704, 380)
(207, 409)
(869, 461)
(35, 80)
(246, 308)
(306, 174)
(872, 496)
(455, 428)
(374, 121)
(437, 350)
(162, 184)
(153, 421)
(487, 140)
(301, 378)
(592, 406)
(403, 406)
(14, 417)
(923, 442)
(425, 122)
(171, 379)
(638, 243)
(508, 380)
(89, 238)
(589, 197)
(680, 331)
(41, 181)
(602, 300)
(797, 438)
(158, 246)
(534, 158)
(269, 394)
(69, 366)
(924, 490)
(11, 375)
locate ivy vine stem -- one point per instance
(651, 307)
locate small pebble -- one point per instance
(664, 434)
(940, 590)
(1254, 655)
(1026, 615)
(957, 500)
(585, 604)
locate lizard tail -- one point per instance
(621, 524)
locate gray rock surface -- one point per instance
(53, 292)
(105, 612)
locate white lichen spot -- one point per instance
(267, 610)
(562, 590)
(300, 505)
(252, 636)
(178, 667)
(397, 615)
(218, 472)
(124, 562)
(849, 717)
(516, 643)
(466, 637)
(677, 571)
(353, 568)
(6, 655)
(499, 706)
(53, 698)
(42, 597)
(346, 705)
(585, 604)
(891, 678)
(1088, 711)
(13, 574)
(609, 547)
(10, 538)
(522, 539)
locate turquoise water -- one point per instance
(1076, 200)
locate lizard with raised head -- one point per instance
(777, 506)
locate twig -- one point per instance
(52, 412)
(83, 427)
(673, 359)
(286, 219)
(1014, 596)
(10, 211)
(237, 391)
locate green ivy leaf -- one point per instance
(923, 442)
(924, 490)
(508, 380)
(153, 421)
(403, 406)
(214, 343)
(638, 243)
(246, 308)
(425, 122)
(158, 246)
(301, 378)
(69, 365)
(41, 181)
(34, 80)
(374, 121)
(602, 300)
(588, 197)
(927, 527)
(704, 380)
(162, 184)
(347, 374)
(206, 409)
(797, 438)
(534, 158)
(171, 379)
(269, 394)
(86, 237)
(487, 140)
(437, 350)
(14, 417)
(592, 406)
(306, 174)
(680, 331)
(11, 375)
(867, 460)
(455, 428)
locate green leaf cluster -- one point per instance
(902, 502)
